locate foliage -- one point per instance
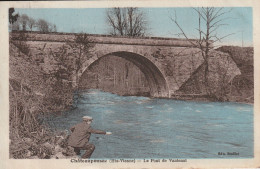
(32, 93)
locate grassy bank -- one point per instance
(33, 92)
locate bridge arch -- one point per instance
(157, 82)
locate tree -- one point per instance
(13, 25)
(21, 22)
(31, 23)
(210, 19)
(82, 50)
(126, 21)
(52, 28)
(24, 21)
(69, 58)
(12, 18)
(43, 25)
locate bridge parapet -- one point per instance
(107, 39)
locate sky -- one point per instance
(239, 22)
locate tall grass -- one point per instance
(32, 93)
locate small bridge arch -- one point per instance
(156, 80)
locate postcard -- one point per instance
(129, 84)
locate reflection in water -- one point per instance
(161, 128)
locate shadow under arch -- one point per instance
(157, 82)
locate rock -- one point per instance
(45, 150)
(48, 145)
(60, 140)
(69, 151)
(29, 154)
(58, 149)
(59, 155)
(33, 157)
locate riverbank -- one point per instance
(33, 92)
(41, 145)
(198, 98)
(207, 99)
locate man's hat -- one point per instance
(87, 118)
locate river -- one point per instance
(145, 127)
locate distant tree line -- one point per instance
(121, 21)
(24, 22)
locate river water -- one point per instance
(145, 127)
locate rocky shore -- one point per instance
(42, 146)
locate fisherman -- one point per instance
(79, 138)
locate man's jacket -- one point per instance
(81, 133)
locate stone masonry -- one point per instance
(167, 63)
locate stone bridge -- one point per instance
(167, 63)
